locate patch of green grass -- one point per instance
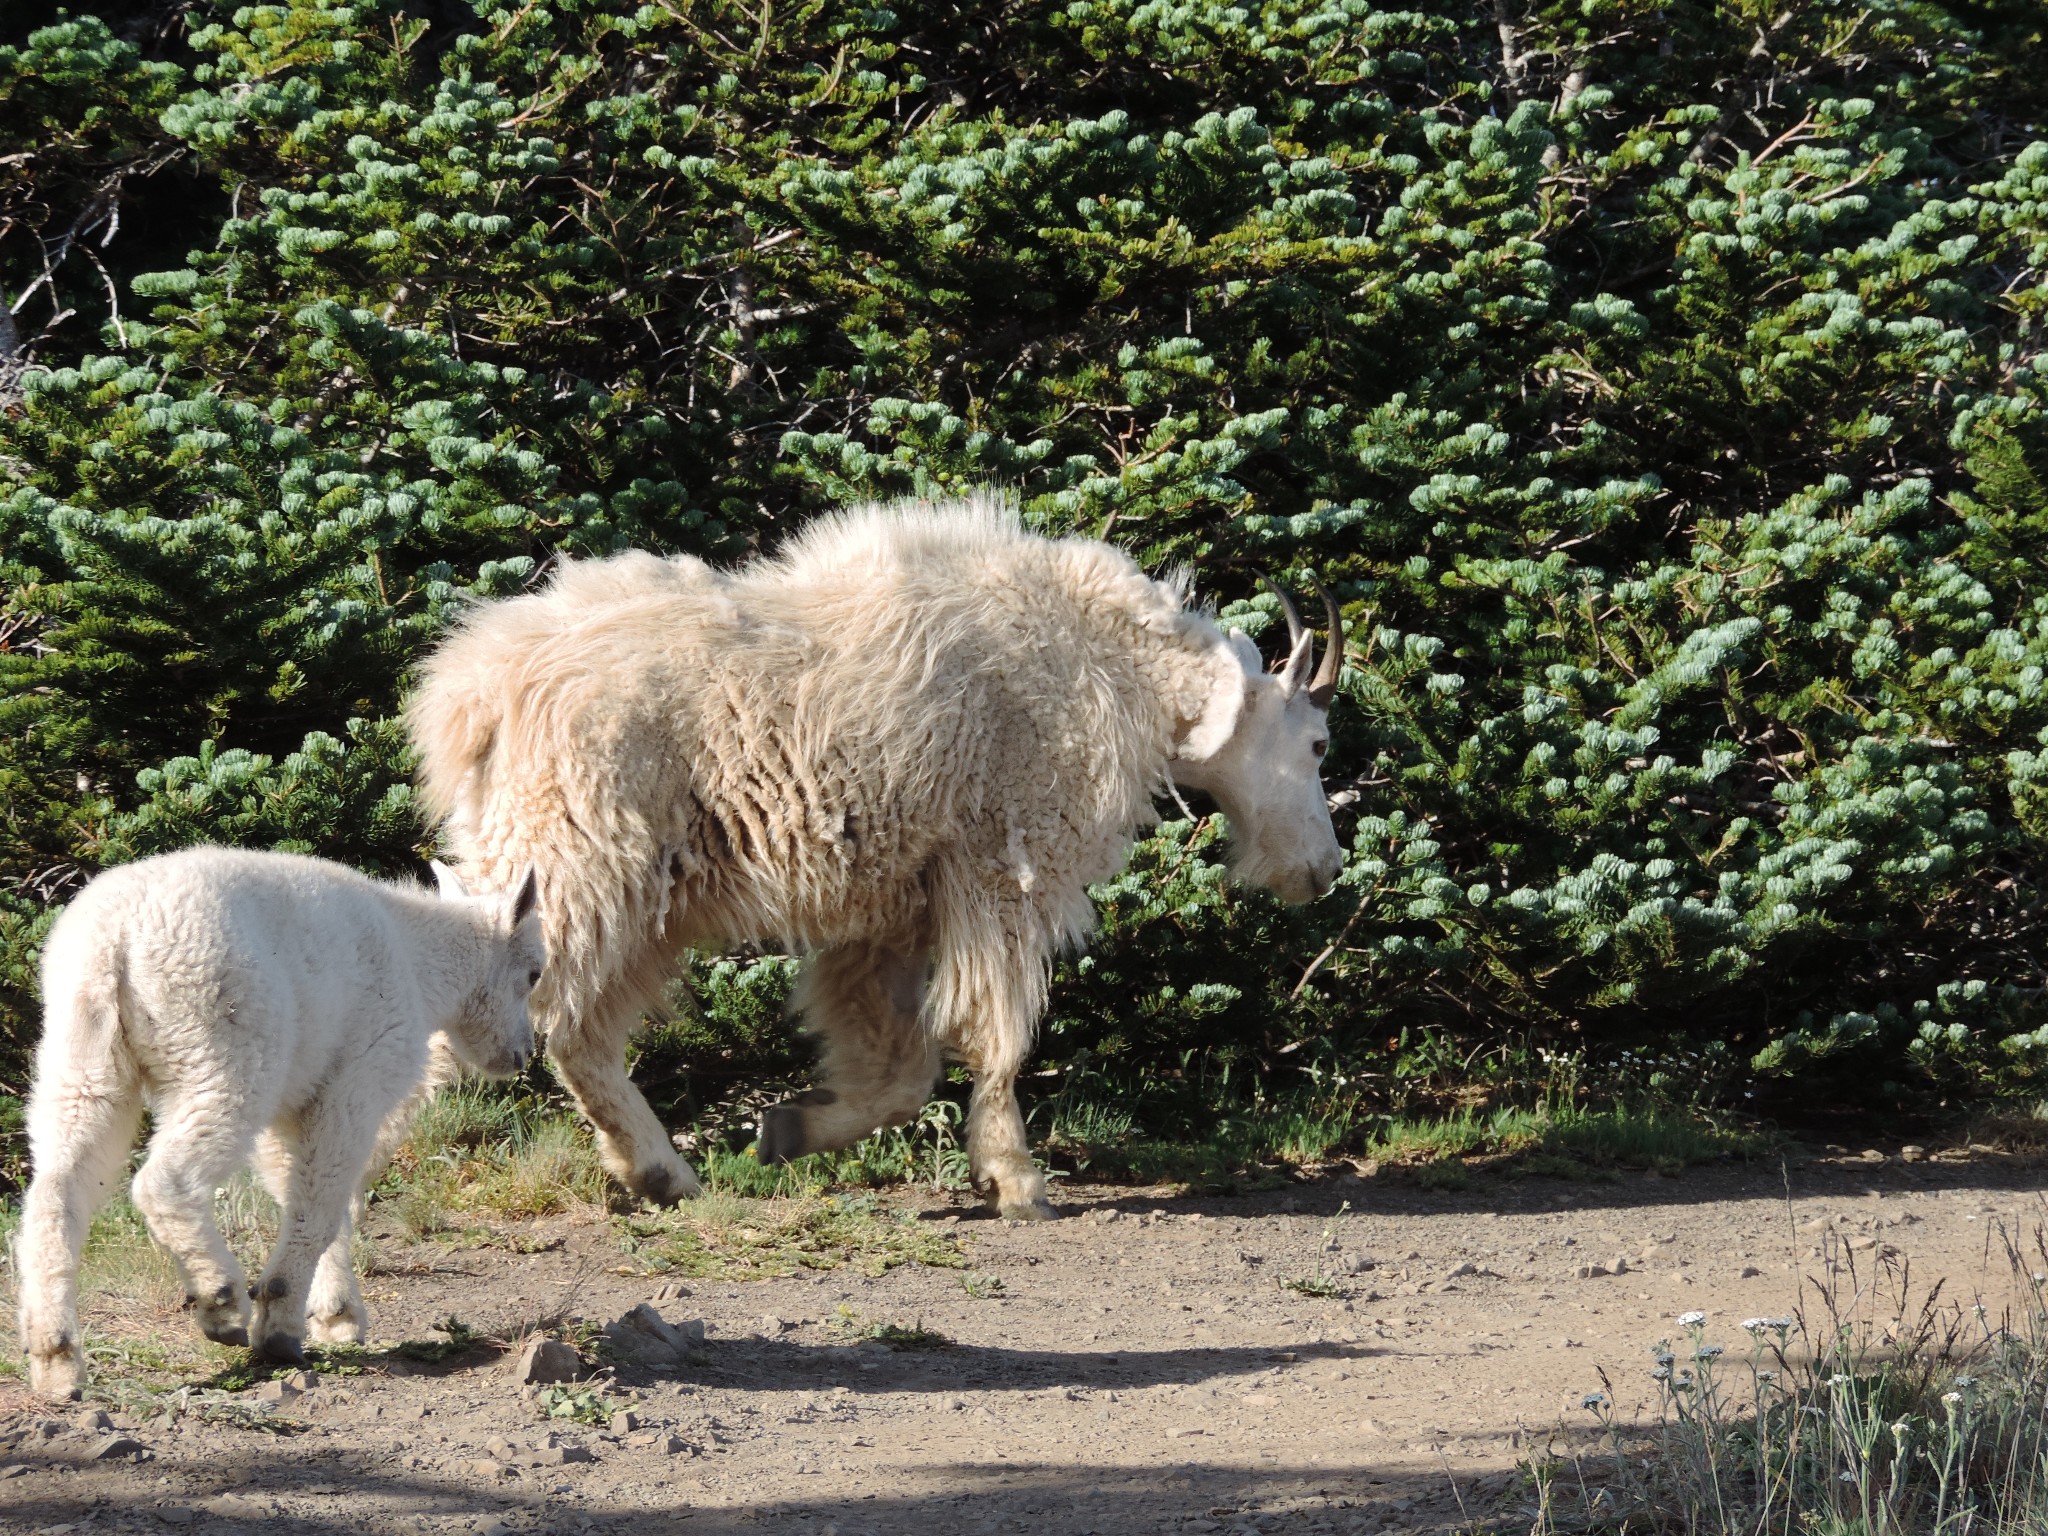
(982, 1287)
(723, 1236)
(1560, 1139)
(850, 1325)
(478, 1150)
(1884, 1412)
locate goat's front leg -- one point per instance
(316, 1168)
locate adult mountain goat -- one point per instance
(907, 745)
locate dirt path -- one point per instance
(1139, 1368)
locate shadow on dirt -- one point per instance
(280, 1495)
(1395, 1191)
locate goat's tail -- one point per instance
(455, 719)
(82, 1117)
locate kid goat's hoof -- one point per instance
(282, 1349)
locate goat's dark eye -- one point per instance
(1319, 747)
(533, 978)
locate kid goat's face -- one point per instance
(495, 1032)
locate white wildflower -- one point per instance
(1691, 1319)
(1951, 1398)
(1593, 1400)
(1707, 1352)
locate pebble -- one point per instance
(1589, 1272)
(1185, 1431)
(1912, 1154)
(93, 1421)
(276, 1390)
(1748, 1272)
(625, 1421)
(675, 1290)
(177, 1514)
(117, 1446)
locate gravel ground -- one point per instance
(1138, 1366)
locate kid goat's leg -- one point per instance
(322, 1160)
(80, 1133)
(201, 1142)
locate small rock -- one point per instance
(1356, 1264)
(674, 1445)
(1589, 1272)
(1620, 1266)
(93, 1421)
(1748, 1272)
(502, 1448)
(302, 1381)
(177, 1514)
(1872, 1155)
(547, 1360)
(1185, 1431)
(625, 1421)
(562, 1455)
(1862, 1244)
(16, 1470)
(488, 1467)
(275, 1390)
(117, 1446)
(771, 1325)
(1817, 1224)
(675, 1290)
(1912, 1154)
(1462, 1270)
(645, 1336)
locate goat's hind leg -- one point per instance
(200, 1143)
(80, 1135)
(880, 1061)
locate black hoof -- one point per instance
(282, 1349)
(237, 1336)
(661, 1185)
(782, 1134)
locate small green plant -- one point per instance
(459, 1339)
(982, 1287)
(1319, 1282)
(851, 1326)
(578, 1404)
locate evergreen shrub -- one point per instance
(1658, 387)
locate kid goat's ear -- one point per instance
(446, 878)
(528, 897)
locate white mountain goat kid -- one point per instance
(255, 1002)
(906, 745)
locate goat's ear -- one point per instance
(446, 878)
(527, 897)
(1231, 669)
(1300, 662)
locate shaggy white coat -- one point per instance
(907, 744)
(245, 996)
